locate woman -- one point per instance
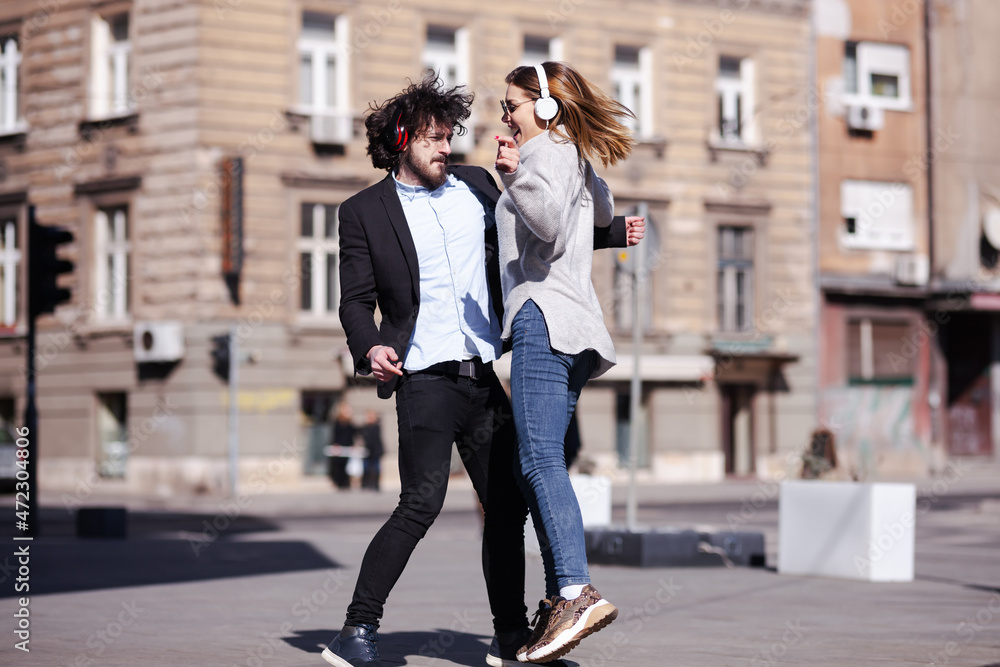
(545, 221)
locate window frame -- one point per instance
(870, 198)
(655, 213)
(868, 356)
(322, 51)
(725, 286)
(11, 119)
(748, 134)
(461, 58)
(101, 407)
(556, 49)
(757, 218)
(319, 246)
(109, 94)
(878, 58)
(118, 307)
(641, 77)
(17, 267)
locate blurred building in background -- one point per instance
(909, 231)
(964, 164)
(199, 150)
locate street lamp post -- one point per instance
(635, 395)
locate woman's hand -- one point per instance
(508, 155)
(635, 229)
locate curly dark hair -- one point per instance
(422, 104)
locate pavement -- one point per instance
(265, 580)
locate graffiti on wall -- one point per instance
(871, 420)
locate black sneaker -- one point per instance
(503, 650)
(355, 646)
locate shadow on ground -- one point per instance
(161, 548)
(454, 647)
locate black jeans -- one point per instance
(434, 410)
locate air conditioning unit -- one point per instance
(912, 270)
(865, 117)
(158, 342)
(329, 129)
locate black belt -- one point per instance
(473, 368)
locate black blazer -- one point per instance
(378, 265)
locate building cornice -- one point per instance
(738, 206)
(301, 179)
(795, 8)
(13, 198)
(103, 185)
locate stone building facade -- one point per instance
(120, 120)
(907, 180)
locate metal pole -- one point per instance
(635, 396)
(234, 408)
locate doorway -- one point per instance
(738, 428)
(967, 342)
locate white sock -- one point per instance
(571, 592)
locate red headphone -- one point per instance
(400, 134)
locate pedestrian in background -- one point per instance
(341, 440)
(371, 436)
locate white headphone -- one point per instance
(546, 107)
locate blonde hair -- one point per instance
(590, 118)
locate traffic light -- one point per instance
(220, 356)
(44, 266)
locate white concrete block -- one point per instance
(847, 530)
(593, 493)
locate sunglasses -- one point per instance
(510, 107)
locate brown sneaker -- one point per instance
(569, 621)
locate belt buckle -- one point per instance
(467, 369)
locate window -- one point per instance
(323, 76)
(112, 249)
(735, 278)
(10, 260)
(10, 60)
(446, 54)
(735, 100)
(631, 80)
(625, 267)
(877, 75)
(319, 249)
(541, 49)
(110, 65)
(876, 352)
(112, 434)
(877, 216)
(623, 431)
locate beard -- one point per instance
(427, 173)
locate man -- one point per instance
(421, 245)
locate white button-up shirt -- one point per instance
(456, 319)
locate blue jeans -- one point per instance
(544, 387)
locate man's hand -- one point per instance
(385, 362)
(635, 229)
(508, 155)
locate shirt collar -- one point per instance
(410, 192)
